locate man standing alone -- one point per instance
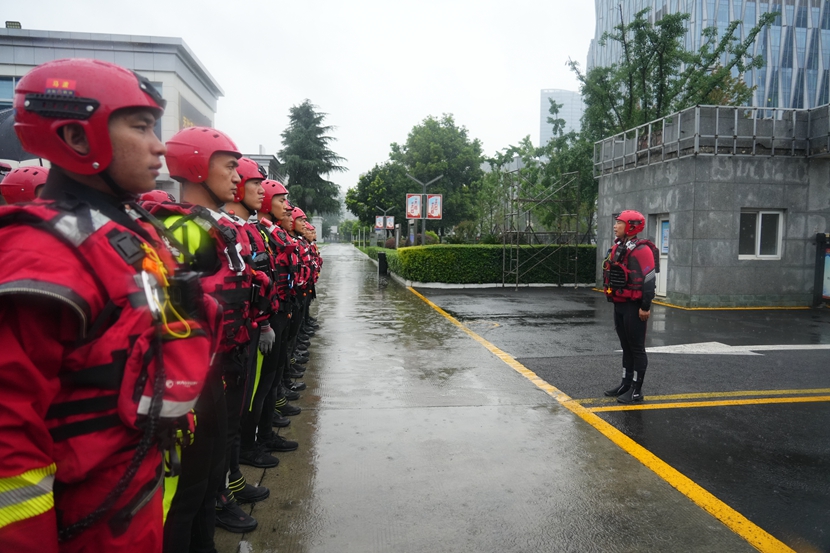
(629, 281)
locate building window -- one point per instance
(157, 129)
(7, 92)
(760, 234)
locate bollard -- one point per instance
(383, 268)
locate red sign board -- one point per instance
(435, 206)
(413, 206)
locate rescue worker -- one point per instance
(296, 225)
(258, 440)
(311, 237)
(23, 184)
(86, 309)
(247, 202)
(276, 408)
(205, 162)
(629, 273)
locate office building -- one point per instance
(571, 111)
(796, 47)
(190, 90)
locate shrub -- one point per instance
(482, 264)
(390, 243)
(479, 264)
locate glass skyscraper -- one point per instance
(796, 47)
(571, 111)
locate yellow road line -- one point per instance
(735, 521)
(724, 403)
(707, 395)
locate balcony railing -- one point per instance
(717, 131)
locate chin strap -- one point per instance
(119, 192)
(213, 196)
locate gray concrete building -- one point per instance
(190, 90)
(733, 197)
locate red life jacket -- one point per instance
(621, 282)
(132, 373)
(306, 267)
(262, 261)
(286, 260)
(232, 283)
(318, 261)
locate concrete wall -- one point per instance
(703, 197)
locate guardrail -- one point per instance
(717, 131)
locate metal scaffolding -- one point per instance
(563, 197)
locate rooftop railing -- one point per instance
(717, 131)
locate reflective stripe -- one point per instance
(26, 495)
(68, 226)
(169, 409)
(259, 359)
(171, 484)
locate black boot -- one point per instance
(231, 517)
(246, 493)
(280, 421)
(285, 409)
(634, 393)
(624, 386)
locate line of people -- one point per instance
(154, 346)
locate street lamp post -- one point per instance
(424, 205)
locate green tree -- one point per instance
(656, 76)
(438, 146)
(559, 172)
(385, 185)
(308, 160)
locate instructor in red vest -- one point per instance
(629, 275)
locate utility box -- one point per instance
(383, 267)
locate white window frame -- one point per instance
(759, 217)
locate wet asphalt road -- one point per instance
(769, 461)
(414, 437)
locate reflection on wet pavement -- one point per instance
(415, 438)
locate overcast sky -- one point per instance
(377, 68)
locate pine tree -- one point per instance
(308, 160)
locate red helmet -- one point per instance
(158, 196)
(248, 169)
(297, 213)
(81, 91)
(634, 220)
(272, 188)
(190, 149)
(21, 184)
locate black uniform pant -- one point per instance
(191, 519)
(238, 381)
(632, 333)
(276, 392)
(270, 374)
(297, 320)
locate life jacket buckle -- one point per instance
(151, 290)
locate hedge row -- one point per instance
(480, 264)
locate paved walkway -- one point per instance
(415, 438)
